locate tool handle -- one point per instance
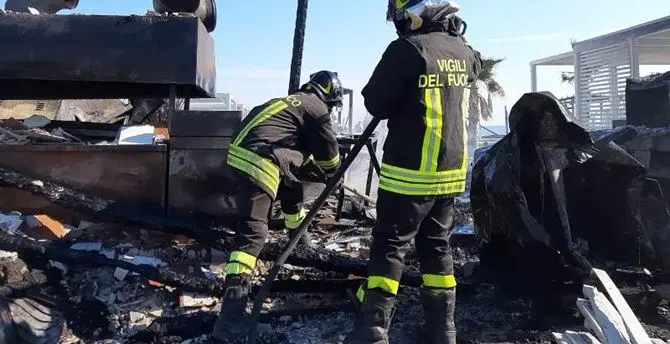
(330, 187)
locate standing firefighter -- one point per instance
(421, 87)
(278, 142)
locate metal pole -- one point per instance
(533, 78)
(274, 271)
(506, 121)
(351, 112)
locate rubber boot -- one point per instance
(231, 323)
(438, 311)
(373, 319)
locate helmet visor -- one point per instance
(419, 9)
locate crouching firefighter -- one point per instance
(421, 86)
(278, 144)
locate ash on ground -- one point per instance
(112, 305)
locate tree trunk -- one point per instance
(298, 44)
(474, 112)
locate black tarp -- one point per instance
(515, 210)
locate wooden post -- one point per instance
(298, 44)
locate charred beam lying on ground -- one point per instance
(25, 246)
(194, 325)
(129, 213)
(313, 286)
(330, 261)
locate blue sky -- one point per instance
(254, 39)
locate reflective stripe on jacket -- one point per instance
(421, 85)
(298, 123)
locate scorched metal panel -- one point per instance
(101, 56)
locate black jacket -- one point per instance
(421, 87)
(275, 139)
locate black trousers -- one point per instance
(400, 218)
(254, 208)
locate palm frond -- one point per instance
(488, 69)
(486, 112)
(494, 88)
(568, 77)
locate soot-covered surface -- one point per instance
(102, 305)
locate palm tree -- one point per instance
(481, 107)
(298, 44)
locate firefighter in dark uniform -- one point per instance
(421, 87)
(278, 144)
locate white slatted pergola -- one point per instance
(603, 64)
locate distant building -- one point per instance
(222, 102)
(244, 109)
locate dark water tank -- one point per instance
(203, 9)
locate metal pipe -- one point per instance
(332, 184)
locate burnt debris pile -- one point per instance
(96, 246)
(547, 195)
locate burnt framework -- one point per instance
(133, 213)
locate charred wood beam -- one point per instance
(194, 325)
(25, 246)
(131, 213)
(330, 261)
(313, 286)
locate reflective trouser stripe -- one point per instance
(329, 164)
(384, 283)
(439, 281)
(238, 269)
(240, 262)
(410, 189)
(268, 112)
(258, 168)
(292, 221)
(360, 294)
(433, 135)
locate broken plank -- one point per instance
(573, 337)
(589, 338)
(607, 317)
(637, 333)
(589, 319)
(559, 338)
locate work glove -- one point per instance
(311, 171)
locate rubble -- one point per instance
(311, 309)
(127, 275)
(38, 129)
